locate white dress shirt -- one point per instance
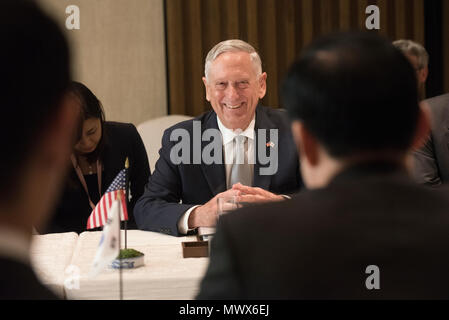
(228, 136)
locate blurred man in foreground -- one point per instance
(364, 230)
(36, 137)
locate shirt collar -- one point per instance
(229, 134)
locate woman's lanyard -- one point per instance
(83, 181)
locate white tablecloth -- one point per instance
(50, 256)
(165, 275)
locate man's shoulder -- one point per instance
(439, 109)
(188, 124)
(273, 116)
(439, 104)
(272, 111)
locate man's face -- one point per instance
(234, 89)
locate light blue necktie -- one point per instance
(240, 170)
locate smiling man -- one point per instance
(180, 197)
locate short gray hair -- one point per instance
(415, 49)
(233, 45)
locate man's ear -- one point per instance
(423, 73)
(306, 143)
(206, 86)
(262, 85)
(423, 126)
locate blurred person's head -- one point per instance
(418, 57)
(234, 82)
(352, 97)
(38, 129)
(89, 140)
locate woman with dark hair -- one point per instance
(98, 156)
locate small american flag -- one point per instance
(99, 215)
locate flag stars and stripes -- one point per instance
(99, 215)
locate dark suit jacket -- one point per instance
(159, 208)
(431, 162)
(121, 140)
(318, 245)
(19, 282)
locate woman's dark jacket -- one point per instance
(121, 140)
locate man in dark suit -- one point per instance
(37, 135)
(364, 230)
(237, 128)
(431, 162)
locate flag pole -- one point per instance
(119, 196)
(127, 200)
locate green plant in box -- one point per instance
(129, 253)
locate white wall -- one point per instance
(119, 53)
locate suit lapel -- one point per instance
(262, 122)
(213, 173)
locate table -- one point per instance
(50, 256)
(166, 274)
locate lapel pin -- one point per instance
(270, 144)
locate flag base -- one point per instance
(128, 259)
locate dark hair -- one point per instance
(35, 71)
(355, 92)
(90, 108)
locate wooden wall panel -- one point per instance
(278, 29)
(399, 18)
(344, 14)
(361, 15)
(194, 63)
(175, 49)
(268, 49)
(383, 7)
(418, 20)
